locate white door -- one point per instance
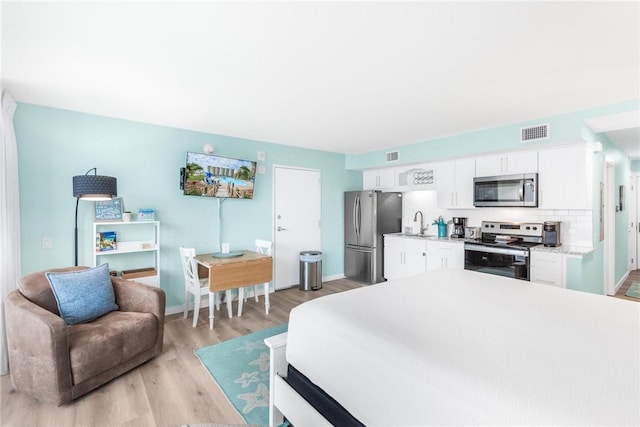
(296, 221)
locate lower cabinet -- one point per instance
(403, 256)
(548, 268)
(445, 255)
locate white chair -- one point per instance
(262, 247)
(198, 287)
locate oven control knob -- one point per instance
(535, 228)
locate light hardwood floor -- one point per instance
(634, 276)
(172, 389)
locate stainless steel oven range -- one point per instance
(503, 248)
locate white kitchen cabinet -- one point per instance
(137, 247)
(442, 255)
(403, 256)
(378, 179)
(564, 177)
(507, 163)
(547, 268)
(455, 183)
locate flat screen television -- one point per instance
(207, 175)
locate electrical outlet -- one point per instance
(46, 243)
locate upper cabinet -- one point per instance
(564, 177)
(507, 163)
(455, 183)
(379, 179)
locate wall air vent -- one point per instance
(534, 133)
(391, 156)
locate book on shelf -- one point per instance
(106, 241)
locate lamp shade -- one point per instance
(94, 187)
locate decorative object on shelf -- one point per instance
(106, 241)
(138, 272)
(146, 215)
(91, 188)
(108, 210)
(126, 216)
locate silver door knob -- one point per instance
(281, 229)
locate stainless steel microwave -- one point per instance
(519, 190)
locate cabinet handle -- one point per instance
(501, 164)
(506, 164)
(452, 199)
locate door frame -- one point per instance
(609, 228)
(273, 211)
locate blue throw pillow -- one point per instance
(83, 295)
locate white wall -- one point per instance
(576, 227)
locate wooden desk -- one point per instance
(251, 268)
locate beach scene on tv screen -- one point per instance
(215, 176)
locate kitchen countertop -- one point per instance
(427, 237)
(577, 251)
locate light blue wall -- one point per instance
(54, 145)
(635, 164)
(563, 128)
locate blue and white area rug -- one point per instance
(240, 367)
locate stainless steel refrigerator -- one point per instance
(367, 216)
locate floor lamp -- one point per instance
(92, 188)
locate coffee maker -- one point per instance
(458, 227)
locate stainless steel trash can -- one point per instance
(310, 270)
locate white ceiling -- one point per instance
(342, 77)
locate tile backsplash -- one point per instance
(576, 227)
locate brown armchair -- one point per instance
(57, 363)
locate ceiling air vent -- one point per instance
(534, 133)
(391, 156)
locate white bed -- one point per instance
(455, 347)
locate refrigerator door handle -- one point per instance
(357, 218)
(353, 217)
(359, 250)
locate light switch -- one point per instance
(261, 169)
(261, 156)
(46, 243)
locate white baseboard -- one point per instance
(625, 277)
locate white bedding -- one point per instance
(454, 347)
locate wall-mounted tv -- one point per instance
(207, 175)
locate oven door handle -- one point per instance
(492, 250)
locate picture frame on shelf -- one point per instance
(110, 210)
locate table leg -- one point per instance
(266, 297)
(240, 300)
(212, 302)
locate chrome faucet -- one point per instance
(415, 218)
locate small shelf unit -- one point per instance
(134, 237)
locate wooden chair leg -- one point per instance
(196, 309)
(186, 302)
